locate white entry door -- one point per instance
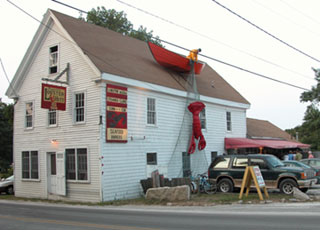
(56, 173)
(61, 174)
(52, 173)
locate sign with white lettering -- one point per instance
(116, 114)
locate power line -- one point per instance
(61, 35)
(64, 4)
(5, 74)
(299, 11)
(208, 57)
(266, 32)
(214, 40)
(286, 18)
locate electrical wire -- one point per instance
(5, 74)
(208, 57)
(287, 18)
(214, 40)
(61, 35)
(302, 13)
(266, 32)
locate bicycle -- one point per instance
(205, 185)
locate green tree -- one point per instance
(309, 131)
(117, 21)
(6, 135)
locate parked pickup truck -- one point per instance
(228, 170)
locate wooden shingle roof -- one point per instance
(124, 56)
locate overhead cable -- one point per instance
(214, 40)
(5, 74)
(208, 57)
(266, 32)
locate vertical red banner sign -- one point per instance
(116, 130)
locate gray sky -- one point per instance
(219, 33)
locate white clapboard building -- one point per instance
(61, 91)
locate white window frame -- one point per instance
(26, 117)
(57, 56)
(228, 122)
(84, 107)
(154, 112)
(30, 166)
(56, 118)
(76, 165)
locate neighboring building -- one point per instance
(264, 137)
(261, 129)
(63, 154)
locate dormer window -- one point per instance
(53, 59)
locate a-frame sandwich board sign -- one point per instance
(253, 173)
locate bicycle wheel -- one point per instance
(193, 187)
(210, 188)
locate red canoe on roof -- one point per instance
(174, 61)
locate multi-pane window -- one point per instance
(79, 107)
(202, 116)
(52, 117)
(29, 115)
(53, 59)
(229, 124)
(186, 164)
(30, 165)
(151, 111)
(151, 158)
(77, 164)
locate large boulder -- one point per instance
(179, 193)
(300, 195)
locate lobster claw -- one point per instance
(192, 146)
(202, 143)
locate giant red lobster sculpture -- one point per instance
(195, 108)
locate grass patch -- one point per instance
(196, 200)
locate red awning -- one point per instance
(238, 143)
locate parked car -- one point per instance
(6, 185)
(313, 162)
(227, 171)
(299, 164)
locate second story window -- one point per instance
(151, 111)
(53, 59)
(229, 124)
(79, 107)
(29, 115)
(52, 117)
(202, 116)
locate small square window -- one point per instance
(151, 158)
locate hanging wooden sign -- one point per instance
(53, 97)
(253, 173)
(116, 114)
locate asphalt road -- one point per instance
(30, 216)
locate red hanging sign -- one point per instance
(116, 114)
(53, 97)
